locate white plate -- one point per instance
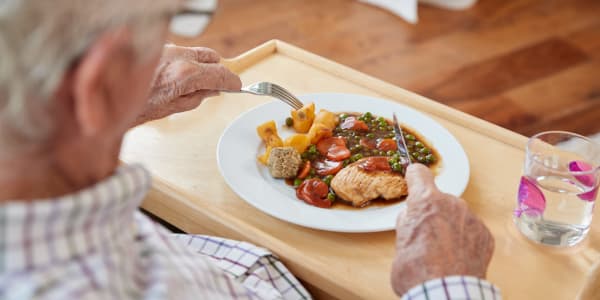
(240, 145)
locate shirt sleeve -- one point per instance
(256, 268)
(453, 288)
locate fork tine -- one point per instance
(286, 99)
(289, 95)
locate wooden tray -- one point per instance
(189, 192)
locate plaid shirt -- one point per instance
(454, 288)
(94, 244)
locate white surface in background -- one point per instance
(407, 9)
(193, 23)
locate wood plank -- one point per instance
(576, 118)
(501, 73)
(587, 39)
(560, 91)
(421, 66)
(500, 111)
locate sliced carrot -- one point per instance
(387, 144)
(304, 170)
(334, 148)
(354, 124)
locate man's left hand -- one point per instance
(185, 76)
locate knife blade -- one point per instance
(401, 143)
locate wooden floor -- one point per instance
(527, 65)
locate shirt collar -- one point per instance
(42, 232)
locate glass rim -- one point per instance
(585, 138)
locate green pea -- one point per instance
(390, 153)
(419, 144)
(327, 179)
(356, 157)
(289, 122)
(368, 115)
(421, 158)
(343, 116)
(430, 158)
(331, 197)
(415, 154)
(390, 128)
(409, 137)
(381, 128)
(392, 160)
(425, 150)
(397, 167)
(381, 119)
(346, 162)
(297, 182)
(390, 135)
(312, 149)
(370, 135)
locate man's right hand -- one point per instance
(437, 236)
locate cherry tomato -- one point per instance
(334, 148)
(354, 124)
(327, 167)
(387, 144)
(314, 192)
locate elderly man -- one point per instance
(74, 77)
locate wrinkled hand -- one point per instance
(437, 236)
(184, 77)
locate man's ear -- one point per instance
(91, 75)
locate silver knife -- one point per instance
(401, 143)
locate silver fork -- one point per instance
(270, 89)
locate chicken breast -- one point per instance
(368, 179)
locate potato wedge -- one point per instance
(299, 141)
(303, 118)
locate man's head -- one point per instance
(72, 68)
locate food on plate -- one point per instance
(342, 158)
(368, 179)
(284, 162)
(303, 118)
(268, 133)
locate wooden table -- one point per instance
(190, 193)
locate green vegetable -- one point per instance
(429, 158)
(297, 182)
(356, 157)
(312, 172)
(312, 149)
(409, 137)
(346, 162)
(419, 144)
(390, 152)
(327, 179)
(331, 197)
(397, 167)
(424, 150)
(370, 135)
(368, 115)
(343, 116)
(289, 122)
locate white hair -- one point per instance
(41, 39)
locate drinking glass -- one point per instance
(558, 188)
